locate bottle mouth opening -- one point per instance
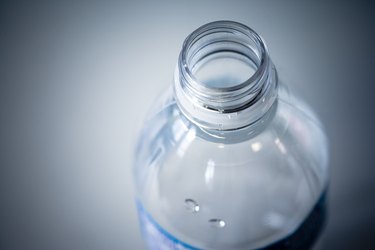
(223, 56)
(224, 77)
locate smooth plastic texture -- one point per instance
(228, 163)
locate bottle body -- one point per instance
(249, 187)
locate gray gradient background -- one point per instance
(76, 80)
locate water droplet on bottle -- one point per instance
(192, 205)
(217, 223)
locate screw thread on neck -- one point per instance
(224, 79)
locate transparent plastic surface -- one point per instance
(262, 185)
(239, 188)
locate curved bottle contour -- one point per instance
(262, 185)
(239, 165)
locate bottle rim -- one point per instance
(216, 27)
(228, 107)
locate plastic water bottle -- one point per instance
(229, 158)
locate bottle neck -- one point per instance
(224, 79)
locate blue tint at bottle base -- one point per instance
(303, 237)
(307, 233)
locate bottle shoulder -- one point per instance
(289, 145)
(290, 122)
(282, 168)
